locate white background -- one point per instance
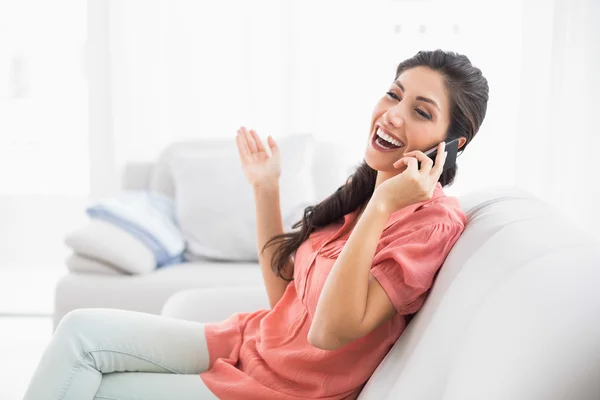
(87, 86)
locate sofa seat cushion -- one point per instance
(148, 293)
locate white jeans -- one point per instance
(122, 355)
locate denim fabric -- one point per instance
(122, 355)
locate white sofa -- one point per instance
(149, 292)
(514, 313)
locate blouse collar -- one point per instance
(403, 212)
(321, 238)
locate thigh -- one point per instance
(152, 386)
(127, 341)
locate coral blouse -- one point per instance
(266, 355)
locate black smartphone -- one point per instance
(451, 148)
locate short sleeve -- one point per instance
(407, 261)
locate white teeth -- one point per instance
(388, 138)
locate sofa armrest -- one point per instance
(136, 176)
(215, 304)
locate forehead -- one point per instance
(423, 81)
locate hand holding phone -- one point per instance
(451, 148)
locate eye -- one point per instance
(392, 95)
(418, 110)
(423, 114)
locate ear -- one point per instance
(461, 142)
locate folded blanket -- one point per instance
(148, 216)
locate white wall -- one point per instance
(33, 230)
(157, 71)
(188, 69)
(558, 135)
(43, 130)
(103, 172)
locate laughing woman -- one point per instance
(342, 287)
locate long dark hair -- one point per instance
(468, 91)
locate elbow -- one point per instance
(324, 340)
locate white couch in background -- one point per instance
(149, 291)
(514, 313)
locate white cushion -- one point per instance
(184, 304)
(85, 265)
(108, 243)
(333, 162)
(161, 177)
(501, 317)
(149, 292)
(215, 204)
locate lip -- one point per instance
(381, 149)
(389, 133)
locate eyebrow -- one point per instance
(420, 98)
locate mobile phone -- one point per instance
(451, 148)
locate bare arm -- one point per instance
(352, 303)
(269, 224)
(262, 170)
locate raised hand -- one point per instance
(260, 168)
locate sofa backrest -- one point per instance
(513, 313)
(330, 167)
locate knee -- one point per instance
(78, 321)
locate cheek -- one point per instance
(421, 136)
(379, 110)
(417, 135)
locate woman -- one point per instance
(341, 288)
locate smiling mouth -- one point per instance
(383, 141)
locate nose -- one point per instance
(394, 117)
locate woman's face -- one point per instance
(415, 112)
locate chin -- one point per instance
(382, 162)
(381, 165)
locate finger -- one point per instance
(259, 143)
(243, 148)
(402, 162)
(272, 145)
(426, 162)
(244, 143)
(250, 141)
(440, 160)
(411, 165)
(412, 152)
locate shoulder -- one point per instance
(442, 210)
(441, 217)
